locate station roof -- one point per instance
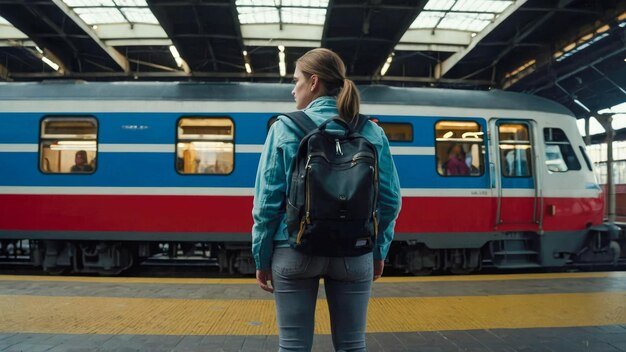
(570, 51)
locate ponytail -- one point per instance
(348, 101)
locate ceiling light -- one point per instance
(281, 61)
(176, 55)
(246, 61)
(50, 63)
(582, 105)
(386, 65)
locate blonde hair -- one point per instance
(331, 70)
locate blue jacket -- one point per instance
(275, 166)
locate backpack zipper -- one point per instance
(361, 156)
(338, 147)
(307, 217)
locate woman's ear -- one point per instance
(315, 81)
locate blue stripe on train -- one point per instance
(140, 169)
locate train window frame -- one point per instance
(529, 159)
(586, 157)
(178, 141)
(410, 125)
(45, 137)
(480, 142)
(566, 152)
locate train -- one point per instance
(97, 177)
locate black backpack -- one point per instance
(331, 204)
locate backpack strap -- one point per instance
(361, 122)
(303, 121)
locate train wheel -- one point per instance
(463, 261)
(421, 260)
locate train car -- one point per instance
(99, 176)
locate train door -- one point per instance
(517, 186)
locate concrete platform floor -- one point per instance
(525, 312)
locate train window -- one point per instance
(560, 155)
(459, 148)
(515, 150)
(205, 145)
(68, 145)
(397, 132)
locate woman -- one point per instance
(322, 91)
(456, 166)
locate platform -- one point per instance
(525, 312)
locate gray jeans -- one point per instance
(348, 282)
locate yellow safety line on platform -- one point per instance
(97, 315)
(230, 281)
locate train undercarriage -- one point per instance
(603, 244)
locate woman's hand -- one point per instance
(262, 277)
(379, 265)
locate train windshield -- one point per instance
(560, 156)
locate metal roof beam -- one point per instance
(233, 11)
(444, 67)
(203, 32)
(439, 37)
(52, 54)
(138, 42)
(577, 70)
(10, 32)
(413, 11)
(273, 36)
(120, 59)
(444, 48)
(153, 65)
(193, 3)
(122, 31)
(547, 9)
(16, 43)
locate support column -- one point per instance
(605, 120)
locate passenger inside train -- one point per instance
(459, 148)
(455, 165)
(80, 162)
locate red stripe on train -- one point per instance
(233, 213)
